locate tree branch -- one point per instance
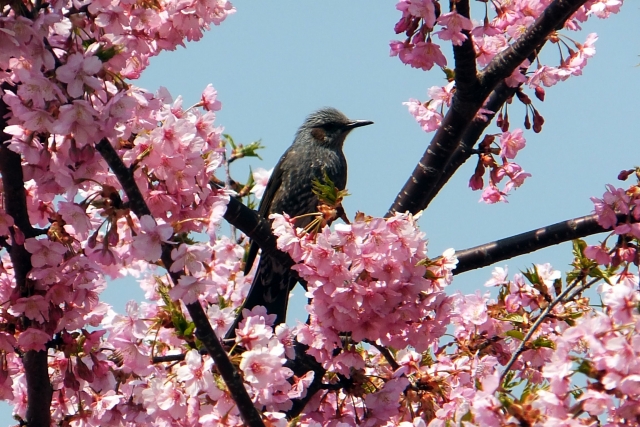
(464, 56)
(467, 101)
(524, 243)
(462, 153)
(204, 331)
(39, 390)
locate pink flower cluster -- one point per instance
(510, 144)
(619, 201)
(574, 341)
(420, 18)
(614, 203)
(365, 279)
(419, 21)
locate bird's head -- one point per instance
(328, 127)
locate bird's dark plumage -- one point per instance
(316, 149)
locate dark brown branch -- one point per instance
(39, 390)
(500, 250)
(257, 229)
(464, 56)
(468, 100)
(168, 358)
(204, 331)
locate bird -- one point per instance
(316, 151)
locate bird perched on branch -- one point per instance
(316, 153)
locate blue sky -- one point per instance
(275, 62)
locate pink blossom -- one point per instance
(598, 254)
(428, 119)
(75, 217)
(595, 402)
(441, 95)
(472, 308)
(208, 100)
(425, 55)
(603, 8)
(454, 24)
(221, 318)
(255, 329)
(483, 114)
(511, 143)
(622, 299)
(44, 252)
(148, 244)
(77, 119)
(492, 195)
(263, 366)
(189, 256)
(498, 277)
(548, 76)
(261, 177)
(39, 90)
(33, 339)
(384, 403)
(487, 46)
(78, 72)
(606, 215)
(516, 180)
(34, 307)
(420, 8)
(189, 289)
(196, 375)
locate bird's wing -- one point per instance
(275, 181)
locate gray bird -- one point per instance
(316, 149)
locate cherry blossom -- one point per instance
(384, 344)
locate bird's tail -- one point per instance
(271, 286)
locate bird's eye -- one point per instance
(331, 127)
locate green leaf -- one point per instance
(251, 149)
(106, 54)
(514, 317)
(542, 342)
(229, 140)
(327, 192)
(515, 334)
(451, 74)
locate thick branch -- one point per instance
(39, 390)
(500, 250)
(467, 101)
(464, 56)
(257, 229)
(204, 331)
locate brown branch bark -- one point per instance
(204, 331)
(467, 101)
(39, 390)
(464, 56)
(524, 243)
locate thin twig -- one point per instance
(534, 327)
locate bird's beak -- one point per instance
(357, 123)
